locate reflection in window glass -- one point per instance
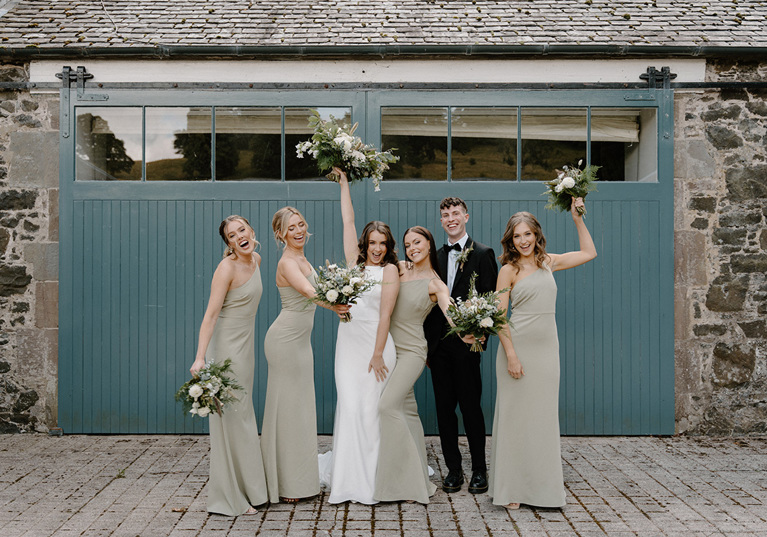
(248, 143)
(297, 130)
(624, 143)
(551, 138)
(108, 145)
(419, 136)
(483, 143)
(178, 144)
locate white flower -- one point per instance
(568, 182)
(203, 411)
(331, 295)
(347, 290)
(558, 188)
(195, 391)
(212, 387)
(487, 322)
(356, 280)
(333, 266)
(580, 162)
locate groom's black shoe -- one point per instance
(453, 481)
(478, 483)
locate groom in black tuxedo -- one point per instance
(455, 370)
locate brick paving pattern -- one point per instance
(155, 486)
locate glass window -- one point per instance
(108, 144)
(297, 130)
(483, 144)
(419, 136)
(624, 143)
(248, 144)
(178, 142)
(552, 138)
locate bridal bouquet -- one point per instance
(333, 145)
(342, 285)
(479, 315)
(571, 183)
(209, 391)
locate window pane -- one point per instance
(483, 143)
(624, 142)
(108, 144)
(178, 144)
(551, 138)
(297, 130)
(419, 136)
(248, 144)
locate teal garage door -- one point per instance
(146, 176)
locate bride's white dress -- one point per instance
(349, 469)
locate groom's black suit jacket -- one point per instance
(482, 261)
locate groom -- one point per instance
(455, 370)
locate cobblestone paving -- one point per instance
(155, 486)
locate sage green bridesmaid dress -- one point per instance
(402, 472)
(525, 458)
(289, 436)
(237, 478)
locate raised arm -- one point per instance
(513, 365)
(222, 280)
(389, 292)
(289, 271)
(351, 249)
(587, 252)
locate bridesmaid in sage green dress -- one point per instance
(402, 472)
(525, 459)
(237, 480)
(289, 436)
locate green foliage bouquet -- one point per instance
(571, 182)
(209, 391)
(333, 145)
(342, 285)
(479, 315)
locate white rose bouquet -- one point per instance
(209, 391)
(342, 285)
(479, 315)
(571, 182)
(333, 145)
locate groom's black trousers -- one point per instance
(457, 382)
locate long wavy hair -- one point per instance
(510, 254)
(425, 233)
(391, 244)
(280, 222)
(222, 231)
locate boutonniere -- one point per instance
(464, 255)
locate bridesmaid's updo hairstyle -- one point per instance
(222, 231)
(426, 234)
(510, 254)
(391, 244)
(280, 222)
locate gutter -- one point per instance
(381, 51)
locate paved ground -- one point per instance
(155, 486)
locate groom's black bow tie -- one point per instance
(456, 246)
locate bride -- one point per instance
(364, 357)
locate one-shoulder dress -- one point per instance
(402, 472)
(289, 435)
(525, 458)
(236, 468)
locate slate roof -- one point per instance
(36, 25)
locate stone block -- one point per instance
(44, 258)
(17, 200)
(47, 304)
(702, 203)
(12, 74)
(37, 363)
(759, 108)
(745, 184)
(682, 309)
(754, 329)
(724, 296)
(717, 112)
(693, 160)
(5, 237)
(35, 159)
(690, 258)
(733, 365)
(722, 137)
(699, 223)
(747, 263)
(53, 215)
(762, 240)
(740, 218)
(729, 236)
(702, 330)
(13, 279)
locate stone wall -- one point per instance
(29, 181)
(721, 255)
